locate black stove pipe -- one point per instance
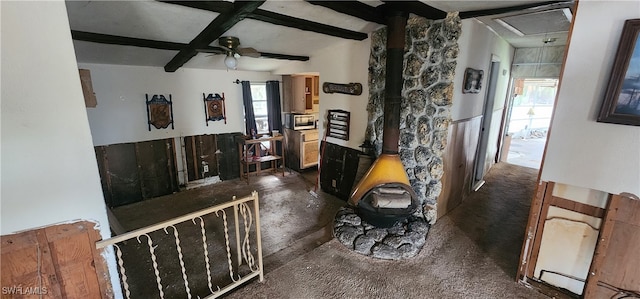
(396, 23)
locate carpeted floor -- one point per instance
(470, 253)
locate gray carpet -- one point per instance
(471, 253)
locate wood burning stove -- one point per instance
(384, 195)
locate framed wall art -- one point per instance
(622, 99)
(214, 108)
(472, 80)
(159, 112)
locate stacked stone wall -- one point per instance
(431, 51)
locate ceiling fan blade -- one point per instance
(249, 52)
(214, 50)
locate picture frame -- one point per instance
(621, 103)
(472, 80)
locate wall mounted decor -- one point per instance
(214, 108)
(338, 124)
(472, 80)
(351, 88)
(622, 99)
(159, 111)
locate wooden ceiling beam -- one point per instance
(276, 18)
(162, 45)
(125, 41)
(288, 21)
(503, 10)
(220, 25)
(353, 8)
(414, 7)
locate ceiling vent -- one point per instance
(557, 20)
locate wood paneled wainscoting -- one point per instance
(458, 161)
(131, 172)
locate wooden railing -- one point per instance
(243, 251)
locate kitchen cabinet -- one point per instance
(302, 148)
(301, 93)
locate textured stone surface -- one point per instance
(403, 240)
(428, 71)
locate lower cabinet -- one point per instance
(302, 148)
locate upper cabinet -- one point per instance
(301, 93)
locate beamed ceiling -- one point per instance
(175, 34)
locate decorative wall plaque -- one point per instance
(351, 88)
(159, 112)
(214, 108)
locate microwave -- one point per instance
(295, 121)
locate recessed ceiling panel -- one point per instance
(539, 22)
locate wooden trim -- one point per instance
(544, 210)
(503, 10)
(600, 253)
(530, 232)
(214, 30)
(577, 207)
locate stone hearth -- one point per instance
(403, 240)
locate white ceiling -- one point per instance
(173, 23)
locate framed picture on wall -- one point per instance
(472, 80)
(622, 99)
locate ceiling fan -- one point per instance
(229, 45)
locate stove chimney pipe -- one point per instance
(396, 23)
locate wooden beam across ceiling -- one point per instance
(162, 45)
(503, 10)
(414, 7)
(355, 9)
(275, 18)
(220, 25)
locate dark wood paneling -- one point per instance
(338, 169)
(229, 166)
(458, 163)
(122, 174)
(154, 168)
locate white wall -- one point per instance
(477, 43)
(478, 46)
(49, 170)
(581, 151)
(345, 62)
(121, 114)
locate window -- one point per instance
(259, 96)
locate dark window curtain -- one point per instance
(249, 116)
(273, 106)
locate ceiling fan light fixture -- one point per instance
(230, 61)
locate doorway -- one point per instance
(528, 119)
(483, 163)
